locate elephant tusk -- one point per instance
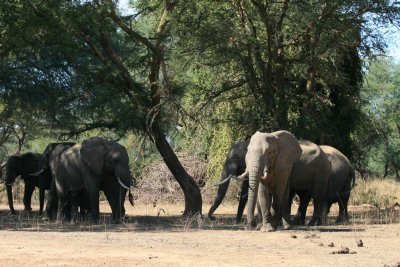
(225, 180)
(3, 164)
(37, 173)
(130, 197)
(123, 185)
(242, 177)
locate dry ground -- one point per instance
(154, 237)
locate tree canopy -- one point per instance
(200, 69)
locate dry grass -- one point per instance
(380, 193)
(157, 184)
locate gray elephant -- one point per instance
(269, 160)
(308, 179)
(98, 164)
(234, 165)
(342, 180)
(22, 165)
(47, 172)
(44, 175)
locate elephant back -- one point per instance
(337, 158)
(310, 151)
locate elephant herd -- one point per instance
(272, 166)
(276, 166)
(74, 174)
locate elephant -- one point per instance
(309, 176)
(22, 165)
(269, 160)
(234, 165)
(97, 164)
(46, 173)
(342, 181)
(308, 179)
(43, 175)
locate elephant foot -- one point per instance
(286, 225)
(250, 227)
(268, 228)
(315, 222)
(12, 212)
(297, 221)
(46, 218)
(211, 217)
(343, 220)
(259, 226)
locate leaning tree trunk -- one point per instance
(191, 191)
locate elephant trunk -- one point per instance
(254, 173)
(222, 188)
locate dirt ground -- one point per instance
(157, 236)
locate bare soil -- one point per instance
(157, 236)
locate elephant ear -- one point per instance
(289, 150)
(93, 151)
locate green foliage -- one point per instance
(381, 128)
(204, 73)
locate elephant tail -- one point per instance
(352, 174)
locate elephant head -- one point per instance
(108, 158)
(234, 165)
(269, 157)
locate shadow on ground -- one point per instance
(32, 221)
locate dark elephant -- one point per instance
(234, 165)
(342, 181)
(98, 164)
(22, 166)
(308, 179)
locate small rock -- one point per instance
(331, 245)
(293, 236)
(344, 250)
(360, 243)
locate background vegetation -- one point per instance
(172, 76)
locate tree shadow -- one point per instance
(32, 221)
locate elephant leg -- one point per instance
(28, 196)
(325, 211)
(280, 199)
(41, 199)
(51, 205)
(113, 202)
(10, 199)
(316, 218)
(74, 200)
(94, 204)
(264, 199)
(343, 213)
(302, 210)
(289, 203)
(242, 201)
(61, 203)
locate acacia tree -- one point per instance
(97, 69)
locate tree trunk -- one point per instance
(191, 191)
